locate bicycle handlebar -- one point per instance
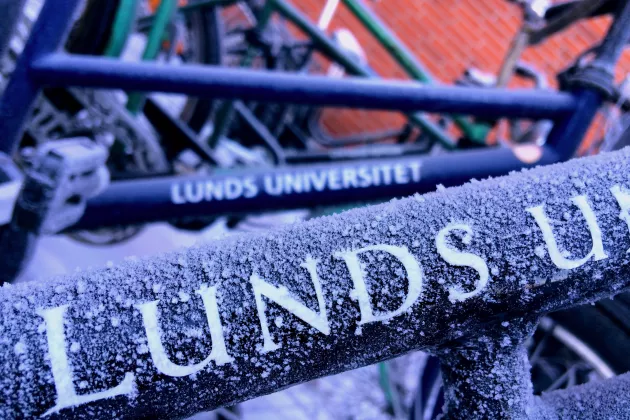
(248, 315)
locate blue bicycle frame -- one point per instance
(44, 64)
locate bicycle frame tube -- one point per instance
(387, 39)
(163, 16)
(122, 27)
(464, 273)
(406, 59)
(11, 13)
(37, 68)
(328, 48)
(123, 324)
(293, 187)
(267, 86)
(18, 98)
(567, 132)
(390, 41)
(41, 66)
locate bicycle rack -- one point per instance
(463, 273)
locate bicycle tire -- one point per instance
(210, 30)
(96, 21)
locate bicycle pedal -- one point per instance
(62, 176)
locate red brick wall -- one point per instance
(448, 36)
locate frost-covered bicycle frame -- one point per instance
(371, 178)
(464, 273)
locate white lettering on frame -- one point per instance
(282, 297)
(62, 372)
(597, 250)
(462, 259)
(414, 276)
(161, 360)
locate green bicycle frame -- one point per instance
(123, 25)
(122, 28)
(163, 16)
(409, 63)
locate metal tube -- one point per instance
(570, 15)
(605, 395)
(320, 39)
(616, 39)
(261, 131)
(161, 199)
(165, 11)
(390, 41)
(264, 86)
(48, 34)
(122, 27)
(175, 133)
(592, 83)
(482, 376)
(299, 157)
(209, 326)
(567, 134)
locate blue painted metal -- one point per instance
(51, 30)
(266, 86)
(141, 201)
(479, 338)
(616, 39)
(567, 134)
(592, 83)
(146, 200)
